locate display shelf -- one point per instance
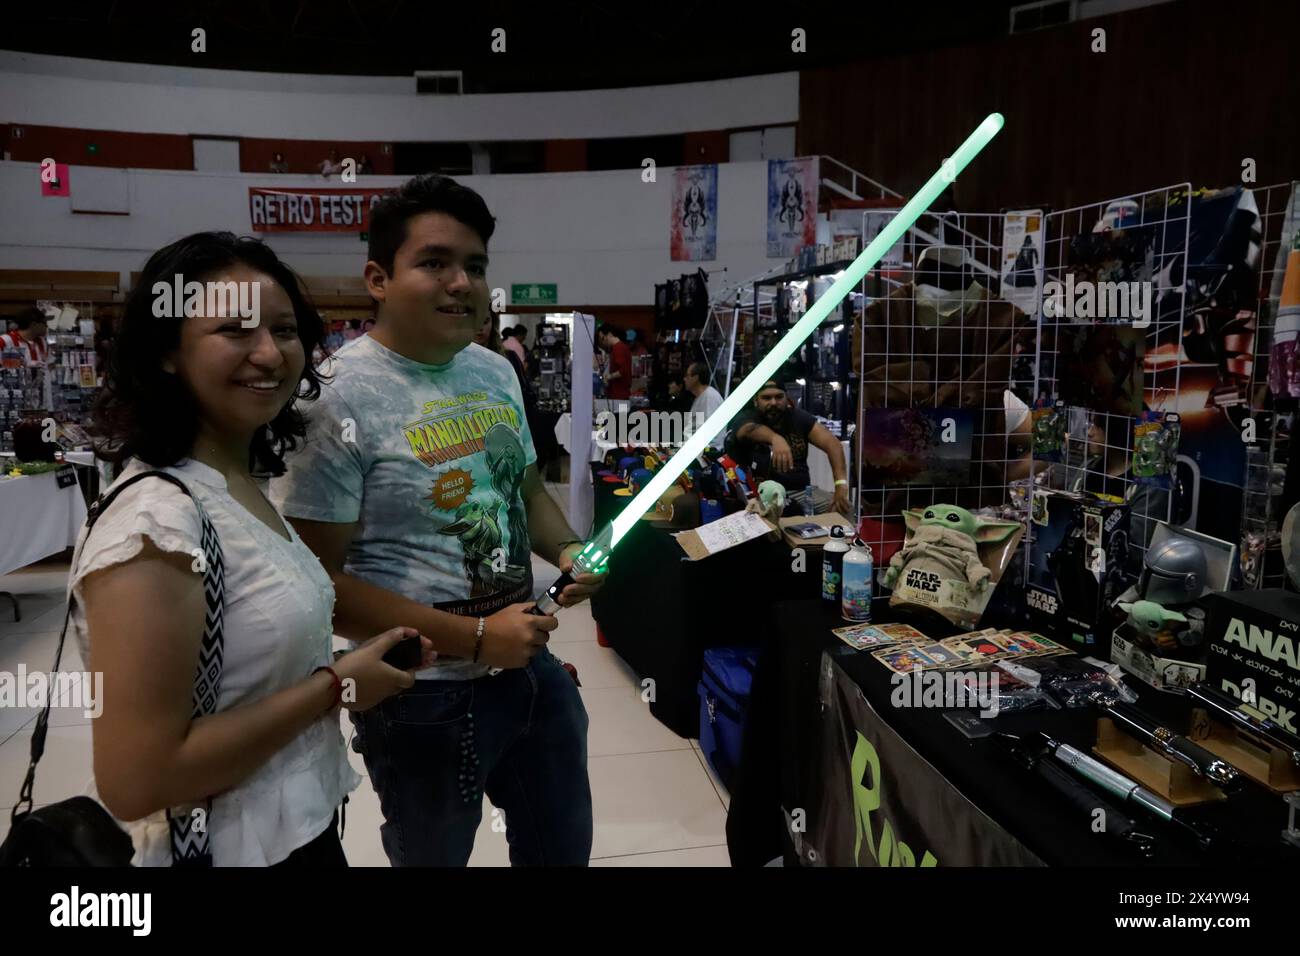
(1265, 501)
(933, 368)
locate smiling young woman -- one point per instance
(252, 732)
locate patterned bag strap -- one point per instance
(39, 732)
(189, 835)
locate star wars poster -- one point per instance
(1022, 258)
(694, 218)
(791, 205)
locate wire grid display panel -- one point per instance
(1115, 362)
(971, 354)
(1267, 457)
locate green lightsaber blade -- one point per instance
(596, 552)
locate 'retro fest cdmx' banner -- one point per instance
(791, 205)
(694, 215)
(306, 209)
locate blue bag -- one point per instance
(724, 699)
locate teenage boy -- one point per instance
(417, 489)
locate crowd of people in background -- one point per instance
(28, 337)
(512, 343)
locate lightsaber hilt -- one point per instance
(592, 559)
(1173, 745)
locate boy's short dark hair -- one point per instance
(608, 329)
(429, 192)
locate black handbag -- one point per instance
(80, 832)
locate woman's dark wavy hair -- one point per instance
(145, 412)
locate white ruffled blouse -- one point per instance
(278, 610)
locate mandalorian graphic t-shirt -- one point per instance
(428, 460)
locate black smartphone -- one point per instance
(405, 654)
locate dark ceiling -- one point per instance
(549, 45)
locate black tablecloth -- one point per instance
(660, 610)
(778, 763)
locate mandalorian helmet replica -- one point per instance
(1173, 572)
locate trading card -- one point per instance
(942, 656)
(903, 660)
(983, 650)
(902, 632)
(862, 636)
(1049, 646)
(1021, 643)
(957, 645)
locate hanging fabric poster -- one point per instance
(694, 230)
(874, 220)
(791, 205)
(1283, 372)
(1022, 258)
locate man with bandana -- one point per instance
(773, 438)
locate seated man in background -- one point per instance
(705, 398)
(773, 438)
(679, 399)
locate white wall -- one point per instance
(601, 236)
(89, 94)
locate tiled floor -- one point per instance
(656, 801)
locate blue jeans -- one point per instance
(521, 737)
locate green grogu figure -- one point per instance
(945, 540)
(771, 495)
(1153, 621)
(1153, 452)
(770, 503)
(480, 536)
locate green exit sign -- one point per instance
(535, 293)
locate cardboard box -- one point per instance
(1162, 673)
(724, 534)
(1070, 586)
(1255, 636)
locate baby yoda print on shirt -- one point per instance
(488, 519)
(429, 462)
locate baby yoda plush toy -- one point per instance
(944, 540)
(770, 503)
(940, 569)
(1151, 621)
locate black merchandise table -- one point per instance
(789, 733)
(660, 611)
